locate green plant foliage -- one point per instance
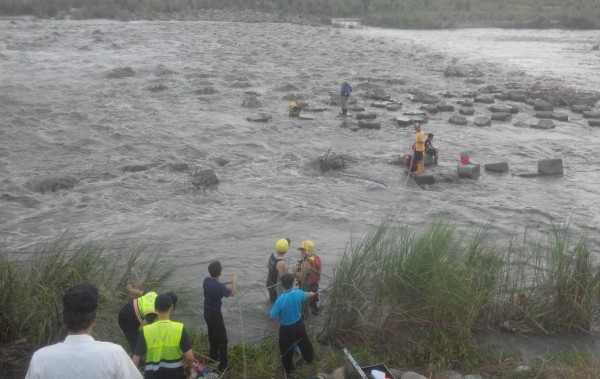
(33, 289)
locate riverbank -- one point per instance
(422, 303)
(400, 15)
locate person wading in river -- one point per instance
(308, 273)
(345, 92)
(419, 148)
(277, 268)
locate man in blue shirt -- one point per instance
(288, 308)
(214, 291)
(345, 92)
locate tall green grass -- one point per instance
(32, 290)
(419, 296)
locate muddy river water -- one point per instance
(63, 116)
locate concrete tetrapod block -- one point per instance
(550, 166)
(423, 178)
(496, 167)
(470, 171)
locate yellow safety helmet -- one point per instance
(307, 246)
(282, 245)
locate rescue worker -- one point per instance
(308, 273)
(135, 313)
(164, 343)
(419, 148)
(294, 109)
(277, 267)
(345, 92)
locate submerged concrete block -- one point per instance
(470, 171)
(423, 178)
(550, 166)
(496, 167)
(593, 122)
(365, 124)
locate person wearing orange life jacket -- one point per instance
(308, 273)
(277, 268)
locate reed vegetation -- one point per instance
(418, 297)
(32, 290)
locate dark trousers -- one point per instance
(272, 288)
(217, 337)
(129, 325)
(289, 337)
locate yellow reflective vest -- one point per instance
(163, 339)
(145, 304)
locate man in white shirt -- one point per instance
(80, 356)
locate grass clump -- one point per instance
(32, 290)
(416, 298)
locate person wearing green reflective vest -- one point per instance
(165, 344)
(136, 313)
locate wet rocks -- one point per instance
(517, 96)
(352, 125)
(251, 101)
(465, 102)
(366, 115)
(260, 117)
(422, 97)
(208, 90)
(443, 107)
(287, 88)
(467, 111)
(404, 121)
(544, 124)
(580, 108)
(496, 167)
(591, 114)
(521, 124)
(544, 114)
(394, 107)
(430, 108)
(462, 71)
(482, 121)
(51, 184)
(501, 116)
(594, 122)
(470, 171)
(486, 99)
(542, 105)
(367, 124)
(120, 73)
(423, 178)
(560, 116)
(157, 87)
(504, 109)
(138, 167)
(457, 119)
(203, 179)
(550, 167)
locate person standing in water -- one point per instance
(419, 148)
(277, 268)
(345, 92)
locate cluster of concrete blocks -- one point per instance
(472, 170)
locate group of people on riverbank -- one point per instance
(162, 346)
